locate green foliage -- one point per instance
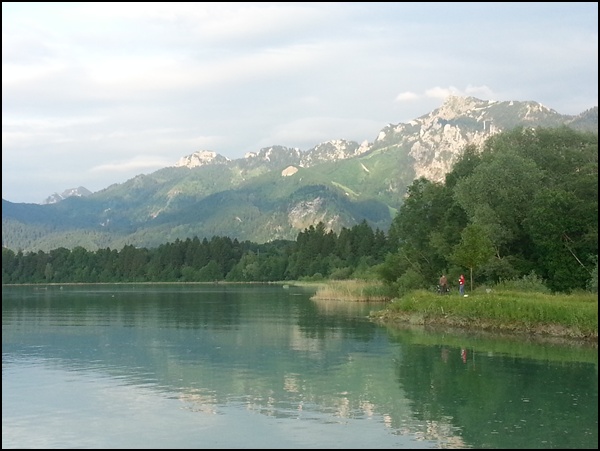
(341, 273)
(529, 283)
(527, 201)
(496, 269)
(410, 280)
(316, 277)
(592, 284)
(210, 272)
(316, 255)
(475, 248)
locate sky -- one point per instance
(97, 93)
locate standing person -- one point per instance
(461, 284)
(443, 284)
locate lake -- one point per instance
(264, 366)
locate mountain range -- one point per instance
(275, 192)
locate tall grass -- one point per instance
(353, 290)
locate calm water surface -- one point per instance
(263, 366)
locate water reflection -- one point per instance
(223, 351)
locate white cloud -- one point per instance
(137, 163)
(407, 96)
(440, 93)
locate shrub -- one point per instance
(410, 280)
(528, 283)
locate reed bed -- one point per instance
(353, 290)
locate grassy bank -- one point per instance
(572, 316)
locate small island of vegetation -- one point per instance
(522, 306)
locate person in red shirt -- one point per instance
(461, 284)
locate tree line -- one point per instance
(525, 203)
(316, 254)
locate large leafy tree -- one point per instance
(498, 196)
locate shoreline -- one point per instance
(548, 332)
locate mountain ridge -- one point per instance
(339, 149)
(277, 191)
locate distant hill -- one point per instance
(277, 191)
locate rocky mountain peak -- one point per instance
(273, 153)
(201, 158)
(456, 106)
